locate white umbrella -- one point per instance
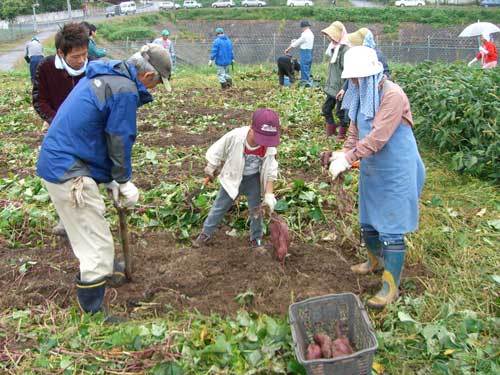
(479, 28)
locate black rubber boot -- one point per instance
(224, 85)
(90, 295)
(229, 82)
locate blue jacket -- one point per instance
(94, 129)
(222, 51)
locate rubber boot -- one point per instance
(331, 129)
(229, 82)
(223, 85)
(394, 256)
(374, 262)
(90, 295)
(342, 133)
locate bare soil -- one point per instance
(172, 275)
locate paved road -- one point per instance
(366, 4)
(9, 59)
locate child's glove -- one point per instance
(210, 171)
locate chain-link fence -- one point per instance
(266, 50)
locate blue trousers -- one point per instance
(250, 186)
(305, 65)
(34, 61)
(390, 239)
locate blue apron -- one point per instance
(391, 182)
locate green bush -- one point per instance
(132, 33)
(388, 15)
(456, 109)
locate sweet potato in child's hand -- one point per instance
(313, 352)
(325, 343)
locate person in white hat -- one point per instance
(392, 173)
(487, 54)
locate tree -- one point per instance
(10, 9)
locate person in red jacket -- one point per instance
(487, 54)
(57, 75)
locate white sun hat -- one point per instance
(361, 62)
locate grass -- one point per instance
(449, 327)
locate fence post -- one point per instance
(428, 47)
(274, 46)
(126, 47)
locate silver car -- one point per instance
(253, 3)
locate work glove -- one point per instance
(210, 62)
(127, 190)
(210, 171)
(327, 157)
(339, 165)
(270, 201)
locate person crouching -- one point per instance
(249, 166)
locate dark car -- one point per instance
(490, 3)
(113, 10)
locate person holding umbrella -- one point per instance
(392, 173)
(487, 54)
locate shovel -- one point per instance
(124, 238)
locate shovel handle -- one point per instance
(124, 239)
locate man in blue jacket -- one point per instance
(222, 54)
(89, 143)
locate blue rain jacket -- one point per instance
(94, 129)
(222, 51)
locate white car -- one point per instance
(253, 3)
(165, 5)
(409, 3)
(191, 4)
(299, 3)
(128, 7)
(223, 4)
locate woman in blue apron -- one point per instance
(391, 172)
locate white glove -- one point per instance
(339, 165)
(114, 189)
(130, 194)
(270, 201)
(210, 62)
(472, 61)
(336, 155)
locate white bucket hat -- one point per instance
(361, 62)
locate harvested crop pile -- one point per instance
(324, 347)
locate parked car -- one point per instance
(191, 4)
(253, 3)
(128, 7)
(166, 5)
(299, 3)
(223, 4)
(490, 3)
(113, 10)
(409, 3)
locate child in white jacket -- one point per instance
(249, 168)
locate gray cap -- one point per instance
(159, 58)
(305, 24)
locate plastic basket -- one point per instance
(321, 314)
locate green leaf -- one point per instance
(65, 362)
(167, 368)
(307, 196)
(281, 205)
(254, 358)
(495, 224)
(158, 330)
(405, 317)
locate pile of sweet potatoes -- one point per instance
(324, 347)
